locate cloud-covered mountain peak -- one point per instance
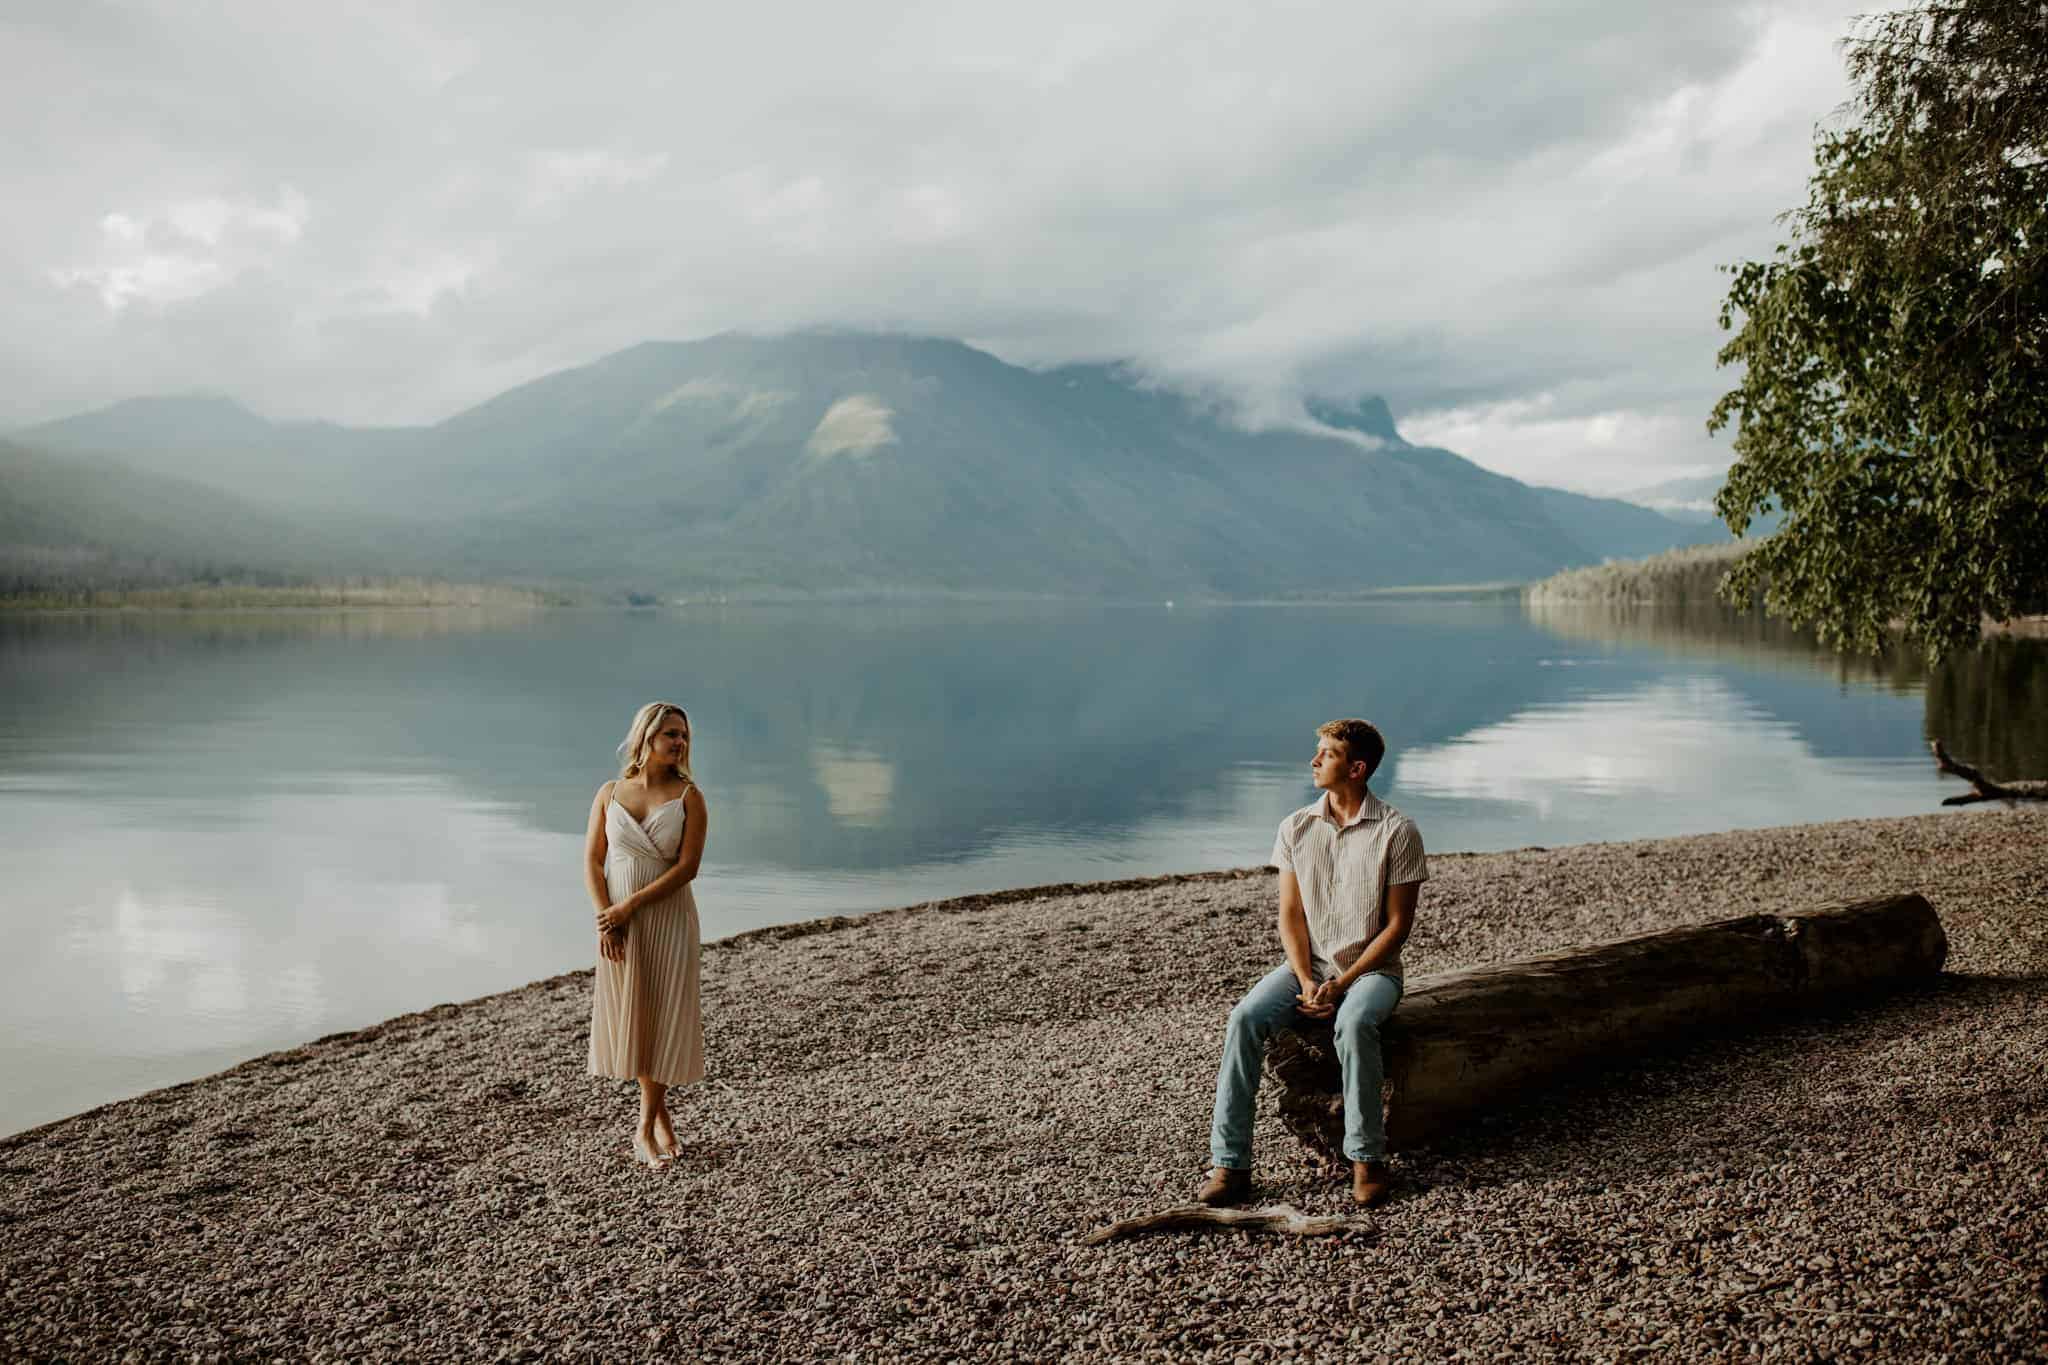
(1368, 416)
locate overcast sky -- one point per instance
(1504, 218)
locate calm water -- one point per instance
(229, 834)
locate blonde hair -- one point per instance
(646, 722)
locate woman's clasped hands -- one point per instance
(611, 932)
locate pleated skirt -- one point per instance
(644, 1014)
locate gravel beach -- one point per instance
(913, 1116)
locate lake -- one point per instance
(232, 833)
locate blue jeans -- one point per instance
(1270, 1005)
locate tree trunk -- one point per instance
(1469, 1041)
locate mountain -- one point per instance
(213, 440)
(1691, 500)
(68, 521)
(854, 462)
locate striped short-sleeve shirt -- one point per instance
(1344, 871)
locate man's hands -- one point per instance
(1319, 1001)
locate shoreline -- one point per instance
(913, 1114)
(2021, 628)
(199, 599)
(797, 929)
(767, 933)
(480, 597)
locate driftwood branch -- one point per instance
(1466, 1043)
(1283, 1218)
(1983, 788)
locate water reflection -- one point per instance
(181, 958)
(232, 833)
(219, 932)
(1653, 742)
(1990, 704)
(1600, 762)
(1991, 707)
(1705, 630)
(858, 785)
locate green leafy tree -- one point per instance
(1894, 392)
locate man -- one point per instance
(1351, 870)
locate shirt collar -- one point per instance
(1368, 809)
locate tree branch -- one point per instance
(1279, 1218)
(1984, 788)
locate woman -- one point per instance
(642, 851)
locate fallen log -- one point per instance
(1471, 1041)
(1983, 787)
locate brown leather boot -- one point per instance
(1224, 1187)
(1371, 1182)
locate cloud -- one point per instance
(418, 286)
(1462, 208)
(181, 250)
(1589, 452)
(559, 175)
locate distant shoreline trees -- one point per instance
(83, 570)
(74, 578)
(1685, 577)
(1894, 352)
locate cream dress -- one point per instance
(644, 1018)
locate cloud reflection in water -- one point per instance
(858, 785)
(1651, 744)
(269, 921)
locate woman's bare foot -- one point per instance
(654, 1124)
(647, 1153)
(665, 1135)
